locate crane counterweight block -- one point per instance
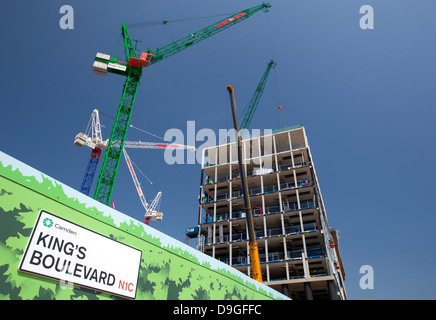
(101, 63)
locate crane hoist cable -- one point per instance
(152, 134)
(142, 173)
(132, 126)
(276, 85)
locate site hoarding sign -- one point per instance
(62, 250)
(54, 236)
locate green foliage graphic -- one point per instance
(167, 272)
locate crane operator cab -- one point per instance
(143, 61)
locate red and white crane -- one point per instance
(151, 212)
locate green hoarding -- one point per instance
(56, 243)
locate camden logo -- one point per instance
(47, 222)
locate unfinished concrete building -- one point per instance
(299, 253)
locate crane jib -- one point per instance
(130, 168)
(166, 146)
(230, 19)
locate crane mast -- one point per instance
(91, 168)
(129, 49)
(103, 64)
(254, 250)
(117, 137)
(94, 140)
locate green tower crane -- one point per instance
(252, 106)
(132, 70)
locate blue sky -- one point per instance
(365, 97)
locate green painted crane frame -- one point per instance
(109, 169)
(252, 106)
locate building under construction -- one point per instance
(298, 251)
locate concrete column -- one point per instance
(308, 291)
(285, 290)
(209, 232)
(230, 254)
(289, 140)
(333, 292)
(221, 232)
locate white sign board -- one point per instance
(117, 66)
(65, 251)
